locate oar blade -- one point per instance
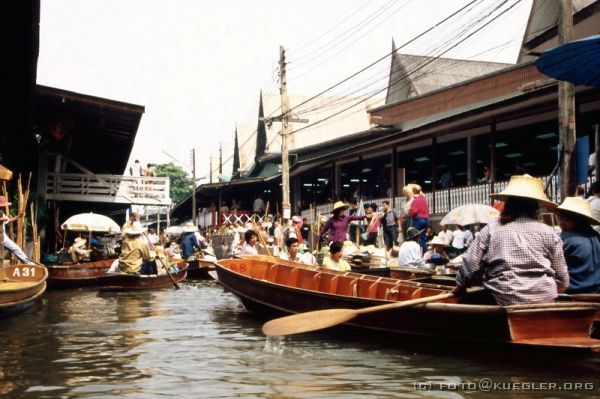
(309, 321)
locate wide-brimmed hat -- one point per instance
(339, 205)
(579, 207)
(135, 229)
(412, 232)
(189, 228)
(395, 251)
(437, 240)
(525, 186)
(4, 202)
(79, 242)
(296, 219)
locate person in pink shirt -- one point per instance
(419, 211)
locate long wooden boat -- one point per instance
(134, 282)
(273, 288)
(591, 298)
(20, 286)
(409, 273)
(77, 274)
(198, 269)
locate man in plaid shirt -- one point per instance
(518, 259)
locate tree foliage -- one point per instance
(180, 182)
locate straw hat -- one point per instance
(296, 219)
(4, 202)
(577, 206)
(395, 251)
(412, 232)
(525, 186)
(339, 205)
(79, 242)
(437, 240)
(189, 228)
(135, 229)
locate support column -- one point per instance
(471, 161)
(492, 155)
(336, 186)
(433, 173)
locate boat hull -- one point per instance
(270, 294)
(77, 275)
(136, 282)
(20, 286)
(198, 269)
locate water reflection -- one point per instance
(199, 343)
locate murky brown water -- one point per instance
(199, 343)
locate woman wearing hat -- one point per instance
(438, 246)
(519, 259)
(337, 225)
(581, 245)
(410, 254)
(135, 255)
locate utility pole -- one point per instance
(194, 186)
(566, 106)
(210, 170)
(220, 159)
(285, 120)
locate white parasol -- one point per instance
(91, 222)
(471, 214)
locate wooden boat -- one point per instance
(134, 282)
(20, 286)
(77, 274)
(409, 273)
(590, 298)
(272, 288)
(198, 269)
(373, 271)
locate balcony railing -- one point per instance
(443, 201)
(108, 188)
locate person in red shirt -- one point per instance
(419, 211)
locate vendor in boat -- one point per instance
(334, 260)
(437, 246)
(410, 254)
(581, 245)
(337, 225)
(518, 259)
(135, 255)
(292, 246)
(77, 250)
(250, 243)
(189, 241)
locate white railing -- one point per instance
(448, 199)
(108, 188)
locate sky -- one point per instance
(198, 66)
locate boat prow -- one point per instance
(77, 274)
(20, 286)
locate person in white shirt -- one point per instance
(468, 237)
(258, 206)
(292, 253)
(446, 234)
(458, 240)
(410, 254)
(249, 246)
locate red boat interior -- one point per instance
(333, 281)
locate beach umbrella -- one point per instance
(471, 214)
(91, 222)
(577, 62)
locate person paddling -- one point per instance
(519, 259)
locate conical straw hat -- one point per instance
(437, 240)
(339, 205)
(578, 206)
(525, 186)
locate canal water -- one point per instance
(198, 342)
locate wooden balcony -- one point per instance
(118, 189)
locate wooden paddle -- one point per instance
(320, 319)
(159, 260)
